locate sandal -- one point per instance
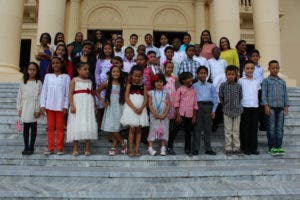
(112, 152)
(124, 147)
(75, 153)
(87, 153)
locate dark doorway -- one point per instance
(24, 53)
(170, 35)
(106, 33)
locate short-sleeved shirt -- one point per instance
(250, 88)
(186, 101)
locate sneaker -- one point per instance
(211, 152)
(274, 152)
(151, 151)
(280, 151)
(238, 152)
(163, 151)
(171, 151)
(60, 153)
(48, 152)
(112, 152)
(228, 152)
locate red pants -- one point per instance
(55, 121)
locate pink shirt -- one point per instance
(206, 51)
(186, 101)
(147, 78)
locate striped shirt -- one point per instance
(231, 94)
(274, 92)
(189, 65)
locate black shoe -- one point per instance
(263, 128)
(25, 152)
(214, 128)
(228, 153)
(187, 152)
(195, 153)
(255, 152)
(211, 152)
(171, 151)
(247, 153)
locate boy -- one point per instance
(118, 50)
(249, 118)
(207, 101)
(276, 102)
(149, 45)
(141, 49)
(217, 65)
(128, 61)
(201, 60)
(178, 55)
(186, 41)
(163, 44)
(230, 94)
(189, 64)
(133, 40)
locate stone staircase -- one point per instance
(218, 177)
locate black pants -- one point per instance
(218, 118)
(248, 130)
(263, 120)
(173, 130)
(188, 127)
(27, 127)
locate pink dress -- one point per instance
(206, 51)
(171, 89)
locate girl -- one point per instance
(186, 107)
(135, 113)
(81, 121)
(152, 69)
(171, 86)
(54, 102)
(61, 51)
(28, 104)
(159, 105)
(113, 103)
(99, 41)
(206, 45)
(59, 38)
(44, 53)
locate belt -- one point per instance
(205, 102)
(87, 91)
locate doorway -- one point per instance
(170, 35)
(24, 54)
(106, 34)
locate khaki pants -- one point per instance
(232, 135)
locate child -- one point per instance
(151, 69)
(61, 51)
(207, 104)
(128, 60)
(118, 47)
(141, 50)
(135, 114)
(171, 86)
(249, 118)
(186, 107)
(159, 105)
(163, 44)
(44, 53)
(28, 104)
(178, 55)
(133, 40)
(276, 102)
(150, 46)
(216, 64)
(230, 94)
(186, 42)
(113, 103)
(81, 121)
(54, 102)
(201, 60)
(189, 64)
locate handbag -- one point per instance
(19, 126)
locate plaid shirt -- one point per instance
(189, 65)
(274, 92)
(231, 94)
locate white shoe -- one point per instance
(163, 151)
(151, 151)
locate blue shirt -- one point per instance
(183, 47)
(206, 92)
(189, 65)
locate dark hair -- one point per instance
(255, 51)
(119, 38)
(81, 64)
(189, 46)
(148, 34)
(94, 38)
(48, 35)
(164, 34)
(215, 49)
(231, 68)
(169, 48)
(122, 80)
(129, 47)
(136, 68)
(102, 55)
(239, 43)
(184, 75)
(63, 67)
(186, 34)
(66, 51)
(202, 67)
(56, 36)
(201, 41)
(249, 62)
(143, 55)
(134, 35)
(151, 52)
(26, 75)
(118, 58)
(167, 62)
(227, 42)
(87, 42)
(161, 77)
(273, 62)
(141, 45)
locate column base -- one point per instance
(10, 74)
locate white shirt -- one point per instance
(120, 53)
(177, 59)
(203, 62)
(134, 50)
(162, 53)
(258, 73)
(127, 65)
(55, 92)
(217, 67)
(250, 89)
(219, 79)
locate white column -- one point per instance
(199, 19)
(74, 19)
(51, 17)
(11, 19)
(267, 29)
(226, 20)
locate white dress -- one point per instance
(82, 124)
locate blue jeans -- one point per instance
(275, 128)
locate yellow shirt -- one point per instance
(231, 56)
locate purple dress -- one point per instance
(102, 67)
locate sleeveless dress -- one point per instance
(171, 89)
(82, 124)
(44, 64)
(159, 128)
(129, 117)
(113, 112)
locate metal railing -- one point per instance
(246, 3)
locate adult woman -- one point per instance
(206, 45)
(59, 38)
(228, 54)
(99, 41)
(241, 48)
(77, 44)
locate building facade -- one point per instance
(272, 26)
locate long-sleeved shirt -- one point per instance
(153, 48)
(274, 92)
(203, 62)
(128, 64)
(206, 92)
(231, 57)
(217, 67)
(102, 67)
(189, 65)
(186, 101)
(55, 92)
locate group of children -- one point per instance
(179, 90)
